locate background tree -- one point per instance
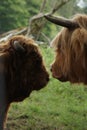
(13, 14)
(38, 21)
(16, 14)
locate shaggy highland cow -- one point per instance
(70, 45)
(21, 71)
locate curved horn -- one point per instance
(18, 47)
(61, 21)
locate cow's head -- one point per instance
(70, 63)
(25, 70)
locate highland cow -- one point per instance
(70, 44)
(21, 71)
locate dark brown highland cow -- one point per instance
(21, 71)
(70, 45)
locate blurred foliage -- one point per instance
(16, 13)
(13, 14)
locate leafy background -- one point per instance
(16, 13)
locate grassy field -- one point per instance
(59, 106)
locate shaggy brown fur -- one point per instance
(20, 73)
(70, 63)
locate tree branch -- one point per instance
(43, 6)
(58, 5)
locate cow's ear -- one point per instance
(18, 47)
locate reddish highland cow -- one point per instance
(21, 71)
(70, 45)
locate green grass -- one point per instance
(59, 106)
